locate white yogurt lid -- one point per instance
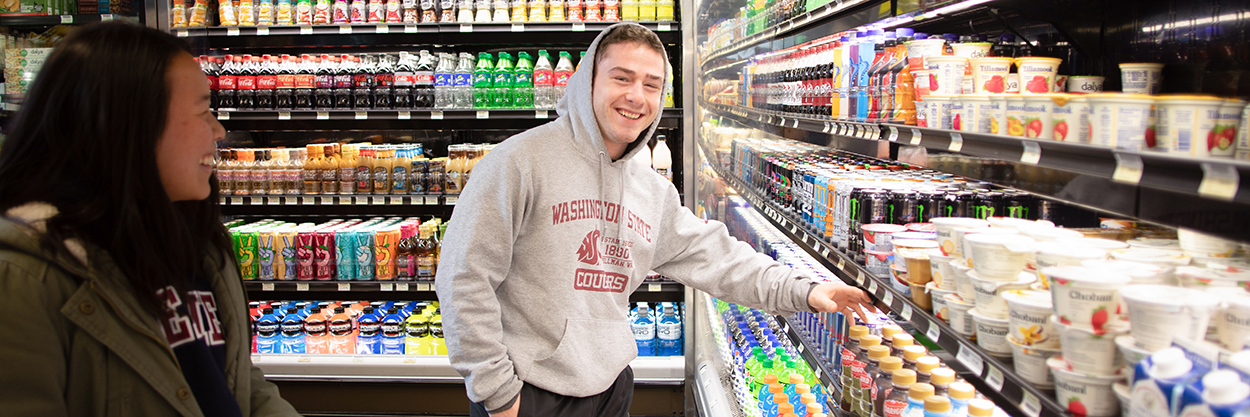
(1028, 298)
(1105, 244)
(1166, 295)
(955, 299)
(994, 321)
(1235, 274)
(1013, 242)
(959, 222)
(1048, 233)
(1127, 342)
(1086, 275)
(1071, 250)
(1022, 278)
(1130, 268)
(1149, 243)
(1010, 222)
(1154, 256)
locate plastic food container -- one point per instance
(1029, 317)
(960, 319)
(1077, 391)
(1119, 120)
(920, 49)
(938, 111)
(999, 256)
(989, 74)
(1201, 278)
(1243, 136)
(1161, 257)
(923, 228)
(1159, 313)
(1071, 119)
(1125, 396)
(963, 283)
(1089, 353)
(898, 279)
(1140, 273)
(962, 233)
(998, 114)
(1200, 244)
(918, 266)
(1085, 84)
(921, 296)
(1030, 362)
(1052, 254)
(1150, 243)
(923, 80)
(938, 298)
(946, 232)
(971, 49)
(922, 116)
(957, 113)
(991, 333)
(1014, 223)
(878, 262)
(1104, 244)
(1186, 125)
(1048, 234)
(1233, 324)
(980, 111)
(1013, 83)
(877, 236)
(1037, 73)
(1131, 353)
(1086, 297)
(1015, 116)
(940, 270)
(948, 72)
(1038, 116)
(989, 293)
(912, 234)
(1142, 78)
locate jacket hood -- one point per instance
(578, 106)
(22, 229)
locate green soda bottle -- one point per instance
(483, 81)
(503, 81)
(523, 82)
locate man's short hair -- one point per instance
(629, 34)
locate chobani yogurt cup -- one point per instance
(961, 234)
(1070, 116)
(946, 237)
(989, 74)
(1085, 84)
(1195, 243)
(1104, 244)
(940, 270)
(938, 111)
(1185, 124)
(1052, 254)
(998, 115)
(1125, 396)
(980, 112)
(1119, 120)
(999, 256)
(948, 72)
(960, 320)
(1089, 353)
(1233, 322)
(920, 49)
(877, 236)
(989, 293)
(1013, 83)
(1160, 313)
(1131, 353)
(1084, 394)
(1200, 278)
(938, 297)
(1028, 314)
(1037, 73)
(1030, 362)
(1038, 116)
(991, 333)
(963, 283)
(957, 113)
(1015, 116)
(1142, 78)
(1140, 273)
(1152, 256)
(1086, 298)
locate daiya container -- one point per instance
(877, 236)
(989, 74)
(938, 111)
(963, 284)
(980, 111)
(938, 298)
(1160, 313)
(999, 256)
(1015, 115)
(948, 72)
(1089, 353)
(1185, 124)
(989, 293)
(1194, 243)
(1200, 278)
(998, 114)
(1141, 78)
(1162, 257)
(1070, 116)
(1085, 84)
(1119, 120)
(991, 333)
(960, 320)
(1028, 315)
(1037, 73)
(1086, 297)
(1052, 254)
(940, 270)
(1038, 116)
(946, 238)
(1131, 353)
(920, 49)
(1030, 363)
(1013, 83)
(1140, 273)
(1077, 391)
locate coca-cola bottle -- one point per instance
(209, 66)
(363, 81)
(343, 73)
(245, 83)
(423, 86)
(305, 82)
(404, 80)
(323, 95)
(383, 81)
(266, 82)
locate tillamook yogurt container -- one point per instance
(980, 113)
(1077, 391)
(1071, 118)
(948, 72)
(1015, 115)
(1085, 84)
(1028, 314)
(991, 333)
(1086, 297)
(957, 113)
(998, 114)
(1119, 120)
(923, 80)
(1089, 353)
(1186, 124)
(1037, 73)
(1224, 135)
(1039, 116)
(946, 232)
(938, 111)
(989, 75)
(1142, 78)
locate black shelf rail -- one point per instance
(659, 291)
(339, 119)
(990, 376)
(337, 205)
(799, 23)
(402, 34)
(62, 19)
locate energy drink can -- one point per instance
(245, 252)
(363, 248)
(345, 254)
(386, 242)
(265, 254)
(930, 202)
(904, 207)
(323, 254)
(284, 254)
(987, 204)
(1019, 205)
(305, 269)
(957, 204)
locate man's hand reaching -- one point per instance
(835, 297)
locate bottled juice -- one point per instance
(364, 171)
(665, 11)
(277, 170)
(556, 11)
(425, 252)
(574, 13)
(662, 159)
(455, 168)
(405, 255)
(629, 10)
(330, 169)
(382, 171)
(519, 11)
(612, 11)
(294, 176)
(312, 170)
(646, 10)
(399, 172)
(242, 172)
(225, 172)
(538, 11)
(347, 170)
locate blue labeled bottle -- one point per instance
(369, 341)
(644, 330)
(268, 332)
(292, 339)
(668, 331)
(392, 332)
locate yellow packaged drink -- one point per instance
(283, 15)
(417, 334)
(246, 13)
(436, 335)
(199, 13)
(225, 12)
(264, 12)
(284, 254)
(179, 14)
(386, 243)
(265, 254)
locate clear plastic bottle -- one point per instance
(611, 11)
(483, 11)
(915, 399)
(646, 10)
(941, 380)
(503, 78)
(882, 383)
(464, 11)
(937, 406)
(544, 82)
(961, 393)
(295, 171)
(225, 172)
(523, 82)
(662, 158)
(520, 10)
(849, 349)
(911, 354)
(629, 10)
(643, 325)
(564, 70)
(501, 11)
(665, 11)
(924, 366)
(462, 83)
(538, 11)
(443, 75)
(555, 11)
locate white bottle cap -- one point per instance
(1224, 387)
(1169, 363)
(1241, 360)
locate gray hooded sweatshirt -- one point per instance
(549, 240)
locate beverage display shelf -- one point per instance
(340, 119)
(662, 291)
(807, 20)
(408, 28)
(337, 205)
(827, 377)
(648, 370)
(975, 364)
(63, 19)
(397, 34)
(1139, 184)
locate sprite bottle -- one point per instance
(503, 81)
(483, 82)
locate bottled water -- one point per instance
(443, 81)
(462, 82)
(544, 82)
(668, 331)
(644, 330)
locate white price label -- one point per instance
(770, 120)
(970, 359)
(872, 286)
(267, 286)
(793, 229)
(377, 200)
(302, 286)
(223, 115)
(410, 360)
(69, 19)
(859, 278)
(579, 27)
(1030, 405)
(403, 286)
(362, 115)
(859, 131)
(820, 373)
(1128, 169)
(386, 287)
(483, 114)
(466, 28)
(304, 359)
(229, 32)
(425, 201)
(824, 253)
(405, 115)
(323, 115)
(262, 31)
(451, 201)
(906, 313)
(785, 328)
(893, 134)
(308, 201)
(654, 287)
(421, 286)
(663, 27)
(826, 129)
(518, 27)
(290, 201)
(800, 348)
(326, 201)
(284, 115)
(345, 30)
(888, 299)
(796, 124)
(344, 286)
(540, 114)
(236, 201)
(256, 201)
(410, 28)
(305, 30)
(394, 201)
(994, 378)
(957, 142)
(382, 29)
(783, 121)
(273, 201)
(221, 201)
(933, 333)
(841, 263)
(358, 359)
(1032, 153)
(1219, 181)
(181, 33)
(436, 115)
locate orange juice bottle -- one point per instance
(312, 170)
(382, 171)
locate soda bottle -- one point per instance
(544, 83)
(342, 75)
(644, 330)
(503, 74)
(384, 81)
(425, 253)
(523, 84)
(363, 81)
(268, 332)
(404, 80)
(324, 79)
(668, 330)
(443, 81)
(423, 84)
(417, 334)
(462, 83)
(266, 81)
(305, 82)
(284, 83)
(292, 339)
(483, 82)
(564, 70)
(392, 328)
(245, 82)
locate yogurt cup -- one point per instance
(1038, 116)
(1243, 136)
(946, 238)
(1048, 234)
(1151, 243)
(1233, 323)
(1013, 83)
(923, 81)
(1061, 84)
(991, 333)
(957, 113)
(1030, 362)
(1076, 391)
(971, 49)
(1029, 317)
(1160, 313)
(1225, 133)
(980, 113)
(914, 247)
(1125, 396)
(1199, 244)
(1037, 73)
(921, 296)
(911, 234)
(877, 236)
(878, 262)
(921, 112)
(948, 72)
(1161, 257)
(962, 233)
(1085, 297)
(1052, 254)
(938, 298)
(1070, 116)
(1104, 244)
(922, 227)
(940, 270)
(999, 256)
(1015, 116)
(989, 74)
(918, 266)
(920, 49)
(1085, 84)
(1185, 125)
(898, 279)
(989, 292)
(960, 319)
(1119, 120)
(1089, 353)
(1013, 223)
(938, 111)
(1200, 278)
(998, 114)
(1131, 353)
(963, 283)
(1141, 78)
(1140, 273)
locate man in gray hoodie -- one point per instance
(557, 230)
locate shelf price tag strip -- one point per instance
(906, 313)
(1128, 169)
(1219, 181)
(933, 333)
(957, 142)
(969, 358)
(916, 136)
(266, 286)
(893, 134)
(305, 30)
(994, 378)
(1032, 153)
(345, 286)
(386, 287)
(382, 29)
(1030, 405)
(262, 31)
(402, 286)
(888, 299)
(405, 115)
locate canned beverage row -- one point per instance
(373, 249)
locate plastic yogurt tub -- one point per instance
(948, 72)
(989, 292)
(1233, 322)
(911, 234)
(1119, 120)
(963, 284)
(1226, 128)
(1029, 317)
(1200, 244)
(877, 236)
(1086, 297)
(991, 333)
(1075, 390)
(940, 270)
(1013, 223)
(958, 113)
(1161, 257)
(1201, 279)
(1070, 116)
(1013, 83)
(1015, 116)
(998, 114)
(1087, 352)
(946, 232)
(1131, 353)
(1039, 116)
(1243, 136)
(999, 256)
(1140, 273)
(989, 74)
(972, 49)
(1030, 363)
(1184, 123)
(938, 111)
(1048, 234)
(1085, 84)
(1037, 74)
(979, 111)
(1104, 244)
(938, 298)
(1159, 313)
(1141, 78)
(1125, 396)
(962, 233)
(924, 228)
(1052, 254)
(1151, 243)
(920, 49)
(960, 320)
(921, 113)
(921, 80)
(878, 262)
(913, 247)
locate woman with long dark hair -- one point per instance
(118, 294)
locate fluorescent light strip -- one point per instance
(1197, 22)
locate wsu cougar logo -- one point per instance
(588, 253)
